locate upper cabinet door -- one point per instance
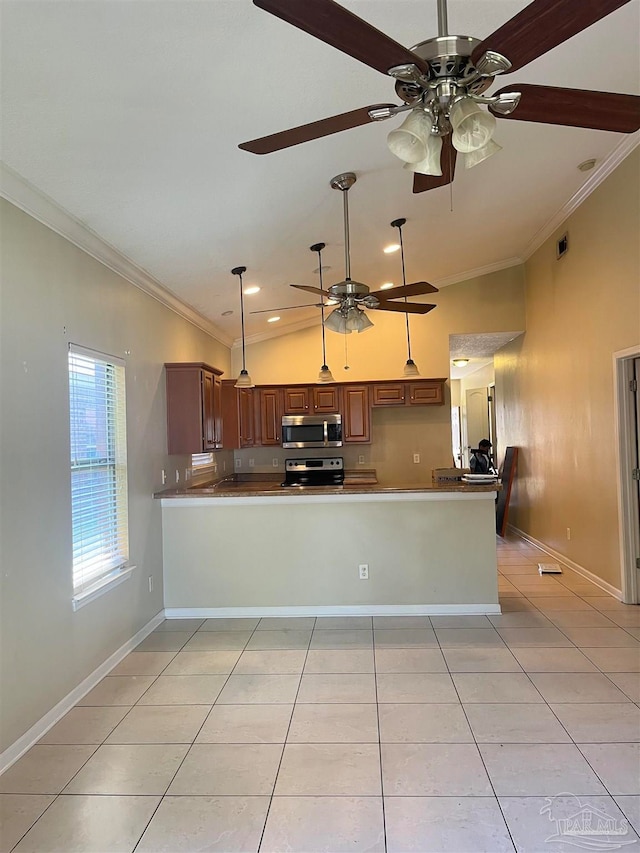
(296, 401)
(356, 420)
(388, 394)
(194, 417)
(270, 416)
(326, 400)
(246, 417)
(427, 392)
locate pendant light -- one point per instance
(325, 374)
(410, 368)
(244, 380)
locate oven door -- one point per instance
(299, 431)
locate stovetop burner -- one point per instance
(328, 471)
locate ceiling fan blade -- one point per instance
(307, 132)
(543, 25)
(418, 288)
(448, 155)
(289, 308)
(576, 108)
(336, 26)
(310, 289)
(405, 307)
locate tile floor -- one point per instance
(445, 734)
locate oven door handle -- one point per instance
(326, 433)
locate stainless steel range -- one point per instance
(314, 472)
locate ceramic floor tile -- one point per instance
(614, 659)
(160, 724)
(606, 603)
(630, 807)
(215, 824)
(410, 660)
(118, 690)
(334, 723)
(545, 637)
(143, 663)
(507, 569)
(164, 641)
(602, 637)
(425, 723)
(44, 769)
(562, 603)
(576, 687)
(180, 625)
(497, 723)
(550, 769)
(495, 687)
(211, 641)
(329, 769)
(579, 619)
(285, 639)
(415, 687)
(606, 723)
(84, 824)
(274, 662)
(184, 690)
(128, 769)
(626, 618)
(203, 663)
(85, 725)
(469, 638)
(510, 604)
(338, 661)
(18, 813)
(344, 639)
(401, 622)
(481, 660)
(344, 622)
(221, 769)
(246, 724)
(445, 825)
(354, 688)
(534, 592)
(321, 824)
(230, 624)
(635, 632)
(553, 660)
(258, 689)
(617, 764)
(433, 769)
(460, 622)
(521, 619)
(628, 682)
(285, 623)
(547, 825)
(404, 638)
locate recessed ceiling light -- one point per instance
(249, 291)
(227, 313)
(460, 362)
(393, 247)
(386, 285)
(273, 319)
(587, 165)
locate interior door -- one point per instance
(477, 417)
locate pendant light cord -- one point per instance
(404, 281)
(324, 354)
(244, 367)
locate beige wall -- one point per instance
(556, 382)
(53, 294)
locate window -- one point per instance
(98, 472)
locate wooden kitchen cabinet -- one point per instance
(326, 400)
(296, 401)
(238, 416)
(269, 416)
(194, 408)
(356, 414)
(388, 394)
(427, 392)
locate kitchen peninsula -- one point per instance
(247, 549)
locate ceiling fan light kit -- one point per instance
(243, 380)
(442, 80)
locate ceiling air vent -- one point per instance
(562, 246)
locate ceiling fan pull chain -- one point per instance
(346, 357)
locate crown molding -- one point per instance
(619, 153)
(17, 190)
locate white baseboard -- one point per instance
(335, 610)
(580, 570)
(27, 740)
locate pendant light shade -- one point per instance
(244, 380)
(325, 374)
(410, 368)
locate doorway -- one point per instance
(627, 411)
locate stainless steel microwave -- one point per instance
(312, 431)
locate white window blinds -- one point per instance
(98, 468)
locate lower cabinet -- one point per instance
(356, 414)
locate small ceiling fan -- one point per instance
(352, 297)
(441, 81)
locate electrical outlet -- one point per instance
(177, 476)
(416, 458)
(238, 463)
(150, 583)
(363, 571)
(275, 463)
(360, 460)
(568, 533)
(252, 463)
(164, 477)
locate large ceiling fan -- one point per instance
(441, 81)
